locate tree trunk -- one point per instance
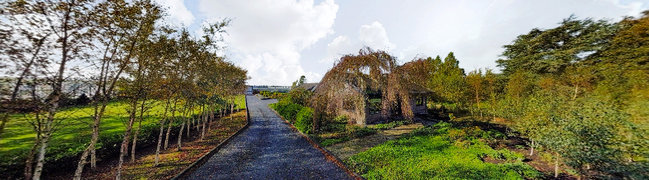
(29, 163)
(139, 126)
(81, 163)
(204, 118)
(162, 125)
(556, 167)
(173, 116)
(189, 125)
(19, 82)
(49, 125)
(3, 123)
(127, 136)
(180, 137)
(231, 110)
(41, 157)
(197, 124)
(209, 125)
(574, 96)
(532, 148)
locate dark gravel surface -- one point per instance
(267, 149)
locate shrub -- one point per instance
(329, 142)
(389, 125)
(304, 120)
(357, 131)
(287, 109)
(299, 96)
(335, 125)
(429, 153)
(341, 119)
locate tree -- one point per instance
(492, 90)
(67, 24)
(552, 50)
(299, 82)
(118, 37)
(135, 86)
(26, 43)
(476, 82)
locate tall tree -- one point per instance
(476, 82)
(119, 37)
(67, 23)
(135, 86)
(552, 50)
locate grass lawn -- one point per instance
(74, 131)
(442, 152)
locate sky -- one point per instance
(277, 41)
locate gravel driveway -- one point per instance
(267, 149)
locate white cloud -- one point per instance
(633, 8)
(341, 45)
(277, 41)
(374, 36)
(178, 13)
(371, 35)
(266, 37)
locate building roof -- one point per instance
(308, 86)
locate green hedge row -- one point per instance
(300, 116)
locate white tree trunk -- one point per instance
(127, 136)
(41, 157)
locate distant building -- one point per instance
(257, 88)
(308, 86)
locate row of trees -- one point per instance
(580, 91)
(125, 50)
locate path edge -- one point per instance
(183, 174)
(328, 155)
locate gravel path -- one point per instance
(267, 149)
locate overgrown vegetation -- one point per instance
(272, 95)
(294, 108)
(577, 92)
(442, 152)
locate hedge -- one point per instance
(304, 120)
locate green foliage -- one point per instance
(553, 50)
(272, 95)
(337, 124)
(389, 125)
(329, 142)
(447, 79)
(287, 109)
(354, 131)
(429, 153)
(301, 117)
(299, 96)
(304, 120)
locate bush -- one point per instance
(429, 153)
(272, 95)
(287, 109)
(299, 96)
(357, 131)
(329, 142)
(389, 125)
(304, 120)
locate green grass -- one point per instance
(75, 130)
(440, 152)
(385, 126)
